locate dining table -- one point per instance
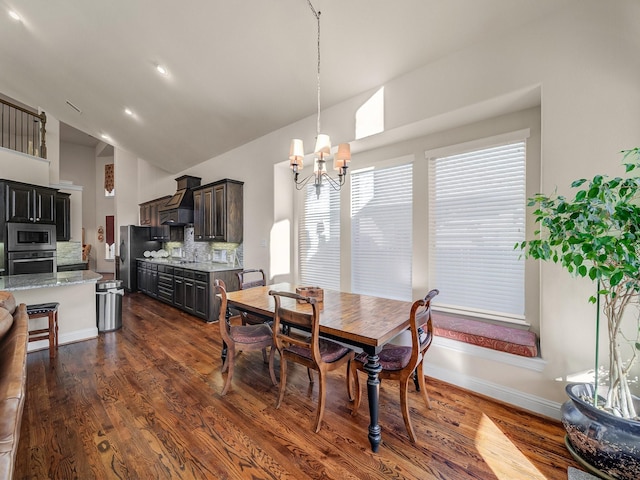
(363, 321)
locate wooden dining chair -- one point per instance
(313, 352)
(249, 278)
(401, 362)
(241, 338)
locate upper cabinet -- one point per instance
(63, 217)
(149, 211)
(27, 203)
(218, 212)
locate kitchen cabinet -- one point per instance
(178, 288)
(185, 288)
(63, 217)
(189, 292)
(150, 213)
(218, 212)
(141, 269)
(27, 203)
(165, 283)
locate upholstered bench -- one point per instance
(497, 337)
(14, 325)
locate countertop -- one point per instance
(45, 280)
(200, 266)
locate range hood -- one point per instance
(179, 209)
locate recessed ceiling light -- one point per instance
(14, 15)
(128, 112)
(106, 137)
(161, 70)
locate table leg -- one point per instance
(373, 368)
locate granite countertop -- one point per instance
(44, 280)
(200, 266)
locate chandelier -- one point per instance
(322, 152)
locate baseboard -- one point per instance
(75, 336)
(529, 402)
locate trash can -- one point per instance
(109, 295)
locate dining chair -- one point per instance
(308, 349)
(401, 362)
(249, 278)
(241, 338)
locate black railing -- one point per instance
(22, 130)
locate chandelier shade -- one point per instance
(296, 153)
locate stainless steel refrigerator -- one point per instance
(134, 241)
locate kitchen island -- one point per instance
(75, 292)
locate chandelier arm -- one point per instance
(300, 184)
(335, 184)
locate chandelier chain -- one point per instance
(317, 13)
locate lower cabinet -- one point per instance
(184, 288)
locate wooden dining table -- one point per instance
(361, 321)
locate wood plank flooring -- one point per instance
(143, 403)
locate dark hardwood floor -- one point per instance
(143, 402)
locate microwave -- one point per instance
(23, 237)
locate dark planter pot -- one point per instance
(608, 445)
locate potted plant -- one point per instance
(597, 235)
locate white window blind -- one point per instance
(381, 232)
(319, 239)
(477, 215)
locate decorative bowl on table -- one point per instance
(313, 292)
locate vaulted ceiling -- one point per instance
(236, 69)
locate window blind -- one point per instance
(381, 232)
(319, 239)
(476, 216)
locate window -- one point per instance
(319, 238)
(381, 232)
(476, 216)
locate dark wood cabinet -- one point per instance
(150, 211)
(218, 212)
(189, 293)
(184, 288)
(150, 215)
(178, 288)
(63, 217)
(27, 203)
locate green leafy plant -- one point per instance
(597, 235)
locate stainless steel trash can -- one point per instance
(109, 295)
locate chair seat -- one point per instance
(42, 308)
(251, 334)
(329, 351)
(391, 357)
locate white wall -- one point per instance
(126, 199)
(585, 62)
(78, 165)
(104, 206)
(23, 168)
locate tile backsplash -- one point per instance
(68, 253)
(230, 253)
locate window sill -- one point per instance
(536, 364)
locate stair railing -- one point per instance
(22, 130)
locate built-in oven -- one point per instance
(35, 261)
(22, 237)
